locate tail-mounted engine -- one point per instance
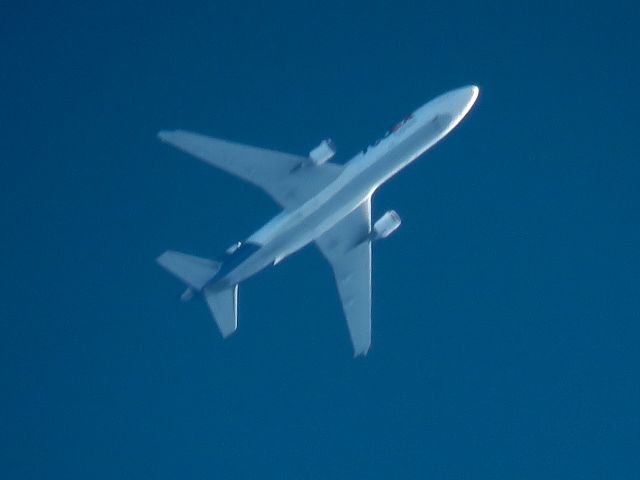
(386, 225)
(322, 153)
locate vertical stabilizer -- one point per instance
(224, 307)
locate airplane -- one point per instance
(323, 202)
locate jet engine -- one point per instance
(386, 225)
(322, 153)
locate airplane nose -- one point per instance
(465, 97)
(458, 102)
(454, 104)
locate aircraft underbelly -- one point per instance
(321, 214)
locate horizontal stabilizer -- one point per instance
(224, 307)
(194, 271)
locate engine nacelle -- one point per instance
(322, 153)
(386, 225)
(233, 248)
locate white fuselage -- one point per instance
(291, 230)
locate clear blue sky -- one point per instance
(506, 309)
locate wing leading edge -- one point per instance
(347, 247)
(289, 179)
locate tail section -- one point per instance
(224, 307)
(197, 272)
(194, 271)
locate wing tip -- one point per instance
(227, 332)
(164, 135)
(162, 258)
(361, 351)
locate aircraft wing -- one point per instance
(284, 176)
(347, 247)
